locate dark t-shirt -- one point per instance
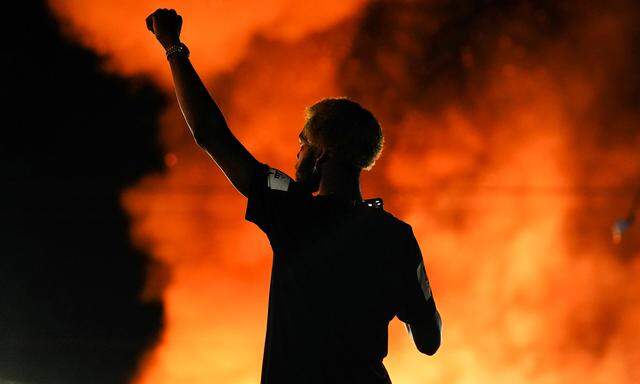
(341, 271)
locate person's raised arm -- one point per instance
(203, 117)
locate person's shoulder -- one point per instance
(394, 225)
(397, 239)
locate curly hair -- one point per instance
(345, 128)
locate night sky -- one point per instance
(72, 138)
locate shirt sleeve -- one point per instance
(269, 189)
(415, 300)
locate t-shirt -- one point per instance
(341, 271)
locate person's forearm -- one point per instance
(204, 118)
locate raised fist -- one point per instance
(165, 25)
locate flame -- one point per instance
(504, 177)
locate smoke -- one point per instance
(516, 149)
(511, 148)
(218, 32)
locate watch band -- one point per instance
(180, 48)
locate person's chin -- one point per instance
(306, 186)
(310, 188)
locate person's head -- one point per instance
(339, 133)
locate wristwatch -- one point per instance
(180, 48)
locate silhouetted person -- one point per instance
(343, 267)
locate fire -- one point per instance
(495, 154)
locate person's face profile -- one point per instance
(305, 173)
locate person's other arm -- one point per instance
(417, 306)
(202, 115)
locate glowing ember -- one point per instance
(170, 160)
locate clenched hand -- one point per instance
(165, 24)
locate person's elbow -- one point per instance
(428, 336)
(205, 140)
(209, 133)
(431, 346)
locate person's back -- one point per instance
(342, 266)
(342, 269)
